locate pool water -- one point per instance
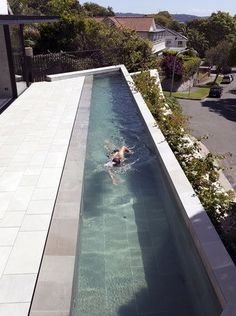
(135, 257)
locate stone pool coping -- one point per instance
(218, 264)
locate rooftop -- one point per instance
(139, 24)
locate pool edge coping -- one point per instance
(218, 264)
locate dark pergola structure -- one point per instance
(26, 19)
(8, 80)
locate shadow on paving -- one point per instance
(224, 107)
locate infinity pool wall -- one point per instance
(135, 255)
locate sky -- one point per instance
(199, 7)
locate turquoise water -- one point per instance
(135, 257)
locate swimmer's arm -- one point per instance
(113, 178)
(128, 150)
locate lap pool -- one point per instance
(135, 254)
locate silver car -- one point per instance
(227, 79)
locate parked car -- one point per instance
(227, 79)
(215, 91)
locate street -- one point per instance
(217, 119)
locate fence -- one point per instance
(40, 66)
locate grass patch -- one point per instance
(197, 93)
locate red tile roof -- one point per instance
(139, 24)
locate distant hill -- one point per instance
(184, 18)
(128, 14)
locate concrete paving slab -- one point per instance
(12, 219)
(16, 288)
(21, 198)
(34, 136)
(8, 235)
(16, 309)
(36, 222)
(44, 194)
(5, 198)
(4, 255)
(57, 269)
(40, 207)
(26, 253)
(49, 177)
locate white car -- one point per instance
(227, 79)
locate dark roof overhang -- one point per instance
(26, 19)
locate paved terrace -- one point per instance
(34, 136)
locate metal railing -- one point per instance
(39, 66)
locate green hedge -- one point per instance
(202, 172)
(185, 67)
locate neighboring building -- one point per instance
(144, 25)
(162, 38)
(173, 40)
(13, 79)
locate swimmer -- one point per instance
(116, 157)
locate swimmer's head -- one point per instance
(116, 161)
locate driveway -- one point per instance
(217, 119)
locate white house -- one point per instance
(144, 25)
(162, 38)
(173, 40)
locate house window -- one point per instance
(168, 42)
(180, 43)
(154, 38)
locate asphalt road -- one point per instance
(217, 119)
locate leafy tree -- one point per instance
(232, 56)
(167, 65)
(197, 41)
(220, 26)
(209, 32)
(76, 32)
(45, 7)
(165, 19)
(202, 172)
(200, 25)
(63, 7)
(79, 34)
(219, 56)
(185, 65)
(93, 9)
(55, 37)
(19, 7)
(175, 25)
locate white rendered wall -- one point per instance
(3, 7)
